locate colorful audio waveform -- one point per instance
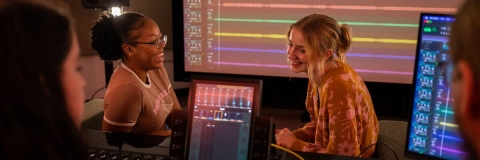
(450, 150)
(451, 137)
(447, 111)
(283, 36)
(293, 21)
(448, 124)
(346, 7)
(286, 66)
(384, 40)
(253, 64)
(284, 52)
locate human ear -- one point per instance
(128, 50)
(470, 102)
(328, 53)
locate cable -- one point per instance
(96, 92)
(287, 150)
(376, 144)
(88, 100)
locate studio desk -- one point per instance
(131, 146)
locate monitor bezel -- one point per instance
(256, 104)
(407, 152)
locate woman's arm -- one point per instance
(307, 133)
(122, 107)
(114, 128)
(176, 104)
(342, 138)
(161, 132)
(337, 121)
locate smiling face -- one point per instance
(296, 52)
(148, 56)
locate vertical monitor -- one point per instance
(432, 131)
(221, 115)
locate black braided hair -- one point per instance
(108, 33)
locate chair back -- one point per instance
(393, 133)
(93, 115)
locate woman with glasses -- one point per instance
(139, 96)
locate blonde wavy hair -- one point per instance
(321, 33)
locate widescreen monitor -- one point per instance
(249, 37)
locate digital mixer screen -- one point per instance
(432, 130)
(221, 116)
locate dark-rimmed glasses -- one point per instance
(446, 70)
(157, 43)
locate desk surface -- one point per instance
(157, 145)
(127, 142)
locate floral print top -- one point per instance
(343, 120)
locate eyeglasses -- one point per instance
(157, 43)
(446, 71)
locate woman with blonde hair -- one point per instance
(343, 120)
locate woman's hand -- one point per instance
(285, 137)
(164, 133)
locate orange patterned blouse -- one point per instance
(343, 120)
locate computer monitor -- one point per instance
(432, 132)
(221, 114)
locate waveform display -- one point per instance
(221, 35)
(282, 36)
(252, 64)
(337, 7)
(456, 151)
(285, 66)
(365, 55)
(448, 124)
(293, 21)
(451, 137)
(447, 112)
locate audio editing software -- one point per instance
(198, 33)
(221, 119)
(433, 130)
(224, 96)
